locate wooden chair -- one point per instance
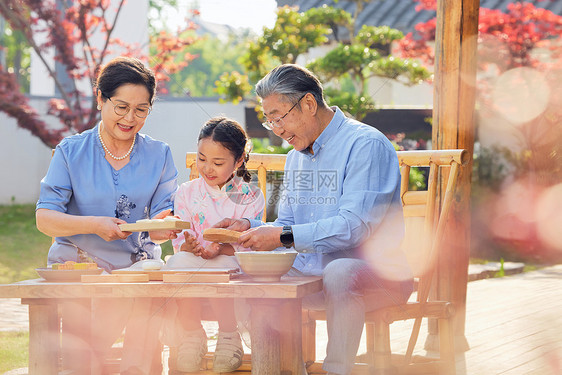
(425, 222)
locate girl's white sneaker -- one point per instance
(228, 353)
(191, 351)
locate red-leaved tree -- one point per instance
(506, 39)
(67, 25)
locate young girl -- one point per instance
(222, 190)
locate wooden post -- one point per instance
(453, 128)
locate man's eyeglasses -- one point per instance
(123, 109)
(278, 122)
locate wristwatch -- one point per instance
(287, 236)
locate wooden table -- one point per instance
(276, 323)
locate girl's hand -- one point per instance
(211, 251)
(108, 228)
(191, 245)
(160, 236)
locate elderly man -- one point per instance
(340, 209)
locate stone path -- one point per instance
(13, 315)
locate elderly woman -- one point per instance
(99, 179)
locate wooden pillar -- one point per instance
(453, 128)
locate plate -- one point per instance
(50, 274)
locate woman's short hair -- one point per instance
(125, 70)
(290, 81)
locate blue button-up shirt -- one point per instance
(344, 193)
(81, 182)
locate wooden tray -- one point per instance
(221, 235)
(136, 278)
(157, 224)
(158, 275)
(196, 277)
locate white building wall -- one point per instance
(41, 83)
(25, 159)
(178, 121)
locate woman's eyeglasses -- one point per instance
(278, 122)
(122, 109)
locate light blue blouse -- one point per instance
(81, 182)
(345, 193)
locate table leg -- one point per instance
(276, 332)
(76, 316)
(44, 336)
(265, 338)
(291, 337)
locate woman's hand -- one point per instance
(108, 228)
(239, 225)
(160, 236)
(212, 250)
(264, 238)
(59, 224)
(191, 245)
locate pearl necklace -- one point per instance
(109, 152)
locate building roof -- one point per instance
(220, 31)
(402, 14)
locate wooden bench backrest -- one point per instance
(421, 212)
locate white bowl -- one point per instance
(265, 266)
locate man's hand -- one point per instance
(264, 238)
(163, 235)
(239, 225)
(108, 228)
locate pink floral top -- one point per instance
(205, 205)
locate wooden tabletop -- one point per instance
(241, 287)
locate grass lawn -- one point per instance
(22, 246)
(13, 350)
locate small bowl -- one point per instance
(265, 266)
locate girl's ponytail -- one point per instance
(242, 171)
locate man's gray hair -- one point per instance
(291, 82)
